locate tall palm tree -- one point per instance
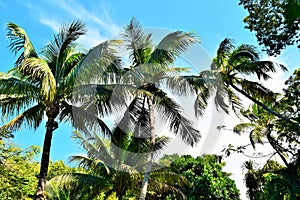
(148, 73)
(44, 84)
(231, 65)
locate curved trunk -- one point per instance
(272, 143)
(269, 110)
(51, 112)
(145, 183)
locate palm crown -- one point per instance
(39, 84)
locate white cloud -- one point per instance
(99, 24)
(53, 24)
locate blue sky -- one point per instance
(211, 20)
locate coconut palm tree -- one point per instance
(260, 127)
(149, 73)
(39, 84)
(109, 172)
(227, 74)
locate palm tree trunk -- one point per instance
(51, 112)
(272, 143)
(145, 183)
(269, 110)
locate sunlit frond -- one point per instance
(39, 70)
(19, 40)
(57, 51)
(13, 85)
(242, 127)
(76, 186)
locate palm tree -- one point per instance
(231, 65)
(44, 84)
(107, 171)
(148, 72)
(252, 180)
(261, 127)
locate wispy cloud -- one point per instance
(99, 23)
(53, 24)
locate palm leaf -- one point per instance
(79, 185)
(172, 46)
(256, 135)
(39, 70)
(32, 117)
(19, 40)
(57, 51)
(257, 90)
(178, 124)
(138, 42)
(224, 50)
(100, 59)
(260, 68)
(242, 127)
(82, 120)
(13, 85)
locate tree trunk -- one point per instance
(51, 112)
(269, 110)
(145, 183)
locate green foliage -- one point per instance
(58, 168)
(272, 181)
(18, 171)
(276, 23)
(208, 181)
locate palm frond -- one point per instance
(38, 70)
(172, 46)
(224, 50)
(82, 120)
(234, 101)
(167, 182)
(161, 142)
(97, 153)
(242, 127)
(32, 117)
(180, 85)
(78, 185)
(138, 42)
(257, 90)
(13, 85)
(100, 59)
(93, 165)
(243, 53)
(220, 99)
(171, 112)
(256, 135)
(19, 40)
(96, 98)
(260, 68)
(57, 51)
